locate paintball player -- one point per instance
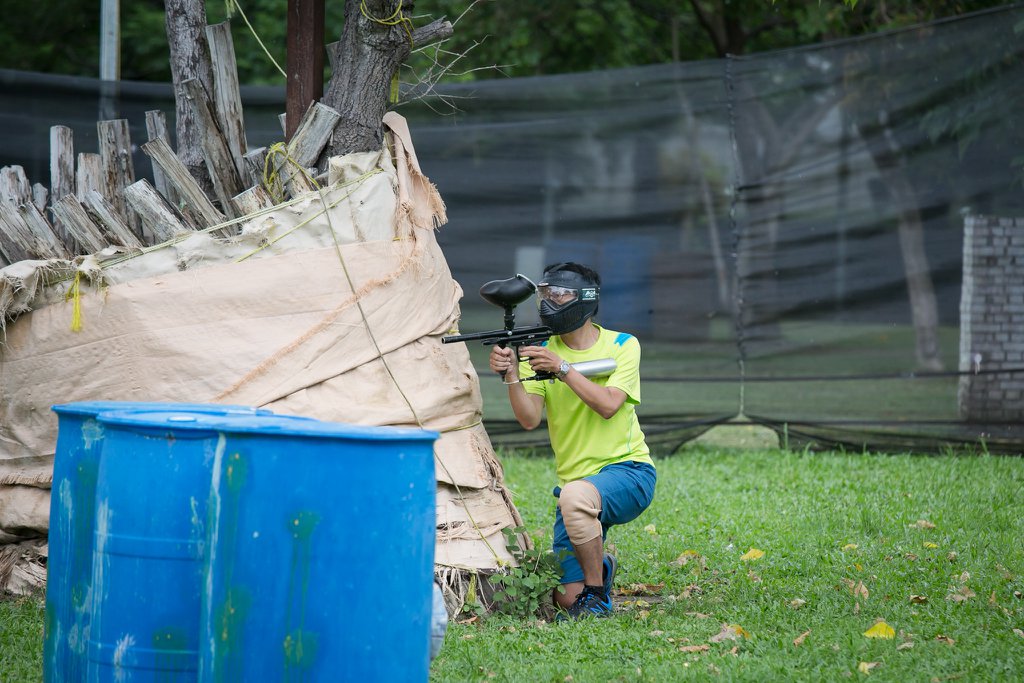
(603, 465)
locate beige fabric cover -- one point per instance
(336, 315)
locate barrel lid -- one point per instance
(262, 424)
(93, 408)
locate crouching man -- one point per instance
(606, 476)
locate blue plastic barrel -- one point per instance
(320, 564)
(72, 515)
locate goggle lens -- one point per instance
(557, 295)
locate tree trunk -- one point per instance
(367, 58)
(190, 59)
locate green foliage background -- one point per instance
(520, 38)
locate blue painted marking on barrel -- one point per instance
(321, 553)
(72, 514)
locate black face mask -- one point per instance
(568, 317)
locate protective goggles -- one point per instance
(561, 296)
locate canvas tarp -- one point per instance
(334, 313)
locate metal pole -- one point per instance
(110, 57)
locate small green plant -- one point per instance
(525, 591)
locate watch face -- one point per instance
(564, 367)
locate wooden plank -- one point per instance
(309, 140)
(254, 164)
(313, 134)
(254, 199)
(88, 176)
(156, 213)
(62, 175)
(74, 217)
(227, 98)
(197, 204)
(40, 195)
(14, 185)
(305, 52)
(118, 170)
(15, 240)
(46, 243)
(115, 230)
(156, 129)
(226, 180)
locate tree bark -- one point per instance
(190, 59)
(373, 46)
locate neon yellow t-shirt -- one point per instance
(582, 440)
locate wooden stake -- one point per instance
(89, 175)
(47, 244)
(156, 129)
(227, 99)
(115, 230)
(72, 214)
(14, 185)
(118, 170)
(252, 200)
(226, 181)
(305, 51)
(197, 204)
(156, 213)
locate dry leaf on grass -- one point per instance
(797, 603)
(694, 648)
(651, 529)
(1018, 632)
(929, 544)
(866, 667)
(752, 554)
(690, 557)
(945, 639)
(880, 630)
(799, 640)
(729, 632)
(961, 595)
(905, 645)
(698, 615)
(641, 589)
(921, 524)
(918, 599)
(850, 546)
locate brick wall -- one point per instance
(992, 320)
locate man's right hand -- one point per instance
(503, 362)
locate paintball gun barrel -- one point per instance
(507, 294)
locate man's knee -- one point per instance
(580, 502)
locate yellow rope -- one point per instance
(75, 295)
(230, 6)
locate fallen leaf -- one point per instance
(921, 524)
(965, 577)
(651, 529)
(905, 646)
(929, 544)
(850, 546)
(752, 554)
(698, 615)
(880, 630)
(858, 566)
(694, 648)
(945, 639)
(658, 633)
(961, 595)
(754, 578)
(468, 636)
(952, 556)
(797, 603)
(799, 640)
(1018, 594)
(911, 556)
(734, 651)
(1018, 632)
(918, 599)
(691, 590)
(568, 679)
(641, 589)
(866, 667)
(729, 632)
(689, 556)
(856, 608)
(860, 590)
(992, 598)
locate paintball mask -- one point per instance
(567, 300)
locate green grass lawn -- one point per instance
(847, 540)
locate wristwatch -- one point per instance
(564, 369)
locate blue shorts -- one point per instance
(626, 488)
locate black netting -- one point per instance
(784, 232)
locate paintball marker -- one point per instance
(507, 294)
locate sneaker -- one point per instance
(611, 565)
(590, 604)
